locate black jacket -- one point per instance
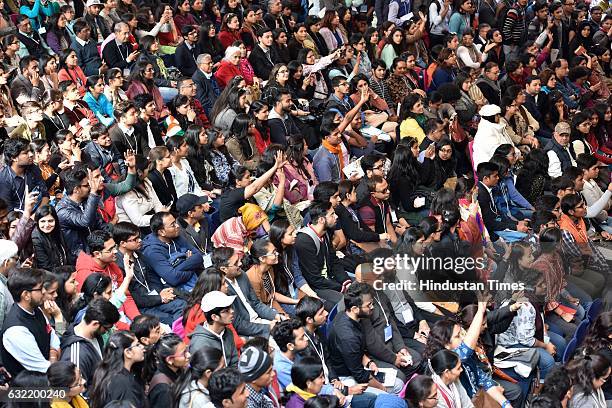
(35, 324)
(347, 345)
(33, 43)
(161, 393)
(95, 23)
(139, 286)
(82, 353)
(199, 239)
(312, 261)
(534, 107)
(207, 90)
(351, 225)
(141, 128)
(50, 253)
(281, 129)
(262, 65)
(185, 58)
(137, 141)
(498, 321)
(374, 331)
(164, 187)
(491, 215)
(124, 386)
(116, 55)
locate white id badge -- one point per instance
(393, 217)
(153, 292)
(126, 72)
(42, 31)
(407, 315)
(207, 261)
(388, 333)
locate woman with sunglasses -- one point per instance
(114, 379)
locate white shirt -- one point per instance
(252, 313)
(180, 178)
(554, 164)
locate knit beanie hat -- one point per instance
(253, 363)
(252, 216)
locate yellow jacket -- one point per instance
(75, 402)
(410, 127)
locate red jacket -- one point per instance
(226, 72)
(85, 266)
(227, 38)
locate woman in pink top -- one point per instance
(70, 70)
(300, 176)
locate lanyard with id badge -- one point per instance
(388, 328)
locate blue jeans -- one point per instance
(579, 293)
(166, 312)
(560, 344)
(545, 361)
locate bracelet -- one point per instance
(505, 404)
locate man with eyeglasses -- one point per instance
(347, 342)
(372, 165)
(214, 332)
(120, 53)
(557, 150)
(86, 48)
(186, 87)
(175, 262)
(28, 341)
(489, 84)
(207, 88)
(160, 303)
(101, 257)
(31, 42)
(187, 52)
(376, 211)
(82, 344)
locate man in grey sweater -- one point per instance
(214, 333)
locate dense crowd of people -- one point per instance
(317, 203)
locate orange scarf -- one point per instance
(579, 232)
(337, 150)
